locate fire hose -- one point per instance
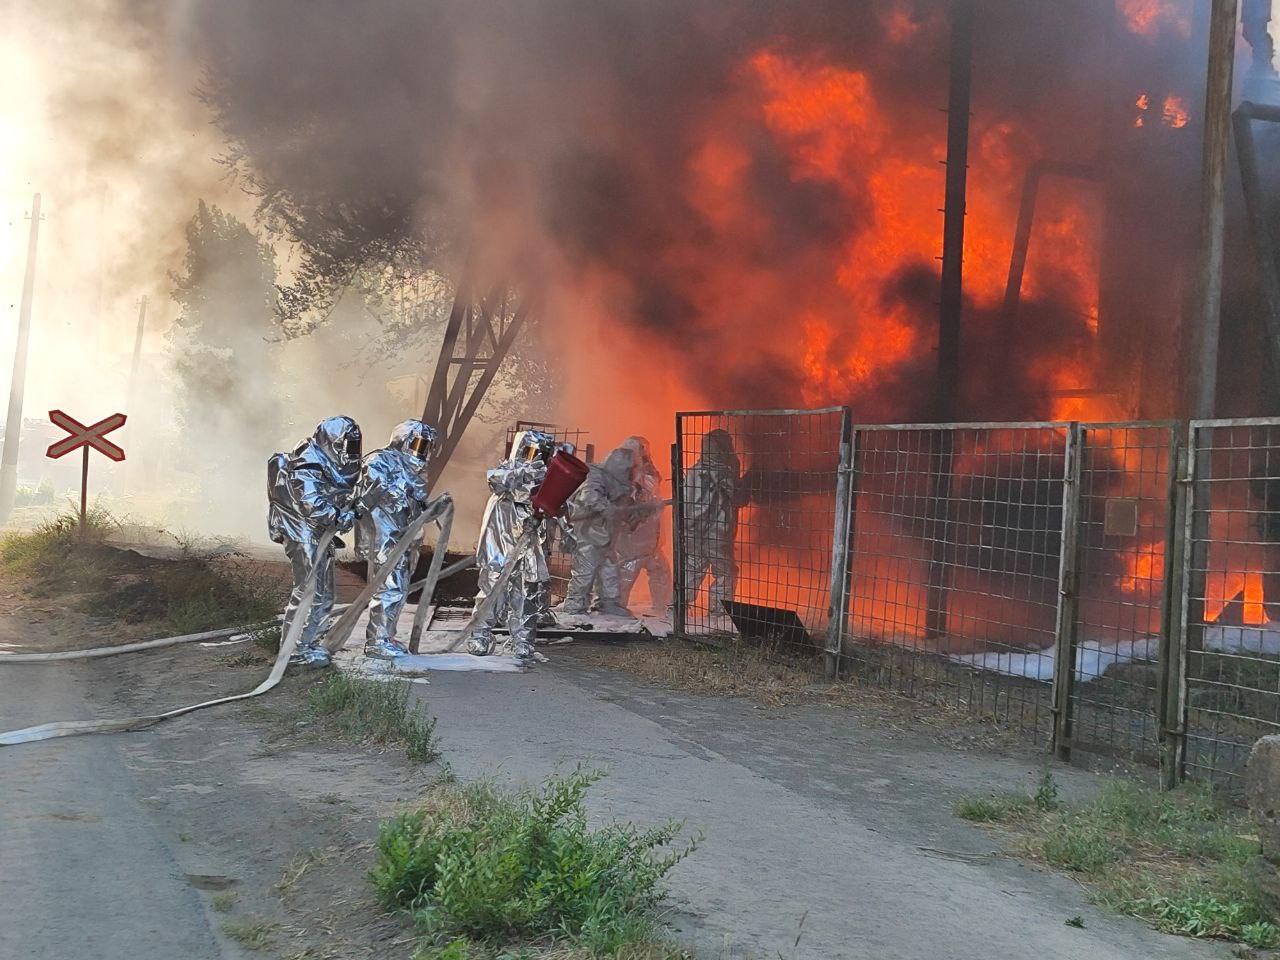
(161, 642)
(441, 507)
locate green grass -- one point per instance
(253, 933)
(1178, 860)
(372, 711)
(199, 595)
(224, 902)
(488, 873)
(994, 807)
(55, 555)
(1009, 804)
(189, 595)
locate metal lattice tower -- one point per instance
(477, 339)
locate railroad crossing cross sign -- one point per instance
(84, 437)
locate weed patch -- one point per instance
(994, 807)
(372, 711)
(181, 596)
(482, 869)
(56, 557)
(253, 933)
(1178, 860)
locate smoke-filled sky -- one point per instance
(727, 203)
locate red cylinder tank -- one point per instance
(565, 474)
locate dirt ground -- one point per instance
(241, 832)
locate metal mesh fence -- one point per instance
(755, 524)
(1061, 578)
(1123, 522)
(956, 552)
(1232, 594)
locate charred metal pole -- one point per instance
(13, 423)
(1255, 203)
(1208, 309)
(951, 306)
(1026, 220)
(1217, 133)
(957, 162)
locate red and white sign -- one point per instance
(93, 436)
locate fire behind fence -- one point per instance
(1057, 577)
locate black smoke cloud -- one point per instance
(557, 134)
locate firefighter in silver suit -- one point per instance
(594, 515)
(508, 515)
(390, 494)
(711, 498)
(308, 494)
(639, 537)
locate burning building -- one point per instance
(740, 203)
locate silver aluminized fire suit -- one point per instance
(593, 516)
(309, 492)
(507, 516)
(639, 534)
(390, 494)
(711, 520)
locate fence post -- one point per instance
(677, 529)
(1172, 664)
(938, 524)
(1067, 620)
(841, 548)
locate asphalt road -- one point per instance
(816, 828)
(84, 871)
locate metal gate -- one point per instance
(755, 524)
(1123, 516)
(1112, 588)
(1228, 596)
(956, 550)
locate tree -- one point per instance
(224, 348)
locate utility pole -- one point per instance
(1217, 132)
(13, 423)
(137, 356)
(951, 303)
(1206, 320)
(132, 466)
(957, 162)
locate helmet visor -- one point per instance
(420, 446)
(352, 446)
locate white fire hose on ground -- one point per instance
(71, 728)
(440, 508)
(160, 642)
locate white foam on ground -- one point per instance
(414, 666)
(434, 654)
(1094, 659)
(1264, 641)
